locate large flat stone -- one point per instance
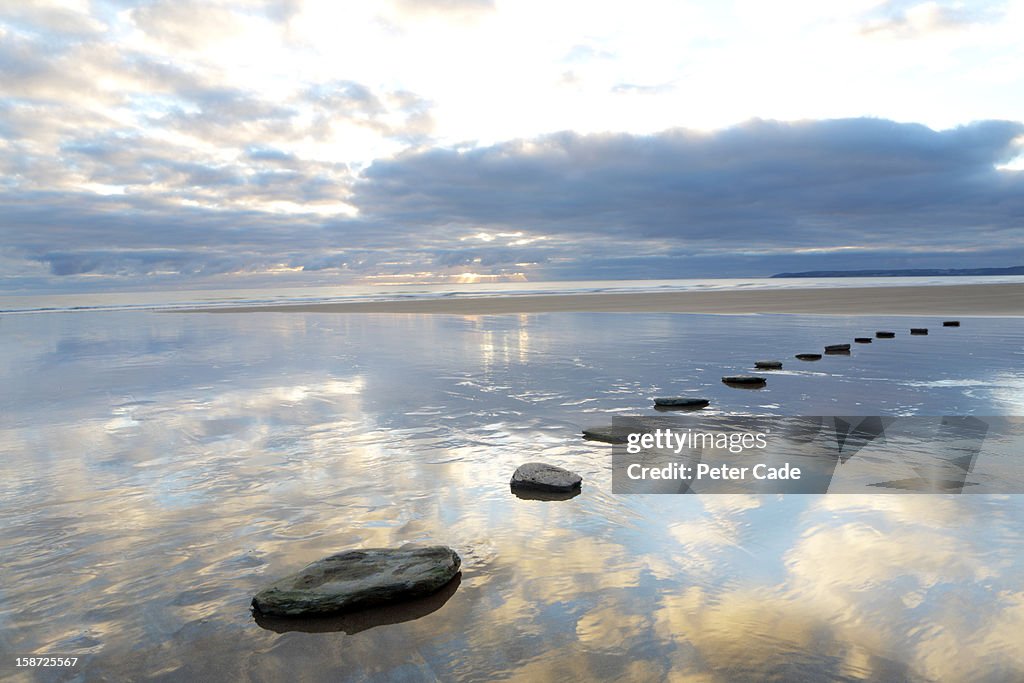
(356, 579)
(544, 477)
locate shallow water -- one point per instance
(156, 469)
(171, 299)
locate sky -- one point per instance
(181, 144)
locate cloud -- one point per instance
(30, 70)
(90, 118)
(186, 24)
(760, 184)
(113, 262)
(178, 173)
(487, 257)
(240, 135)
(462, 8)
(399, 114)
(757, 198)
(52, 17)
(635, 89)
(108, 112)
(913, 18)
(583, 53)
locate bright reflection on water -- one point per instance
(157, 468)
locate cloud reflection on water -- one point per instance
(157, 469)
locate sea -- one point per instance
(163, 298)
(158, 467)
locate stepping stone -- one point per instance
(745, 380)
(356, 579)
(680, 402)
(768, 364)
(885, 335)
(837, 348)
(918, 330)
(540, 476)
(808, 356)
(607, 434)
(862, 340)
(951, 323)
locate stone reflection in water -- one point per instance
(157, 469)
(549, 496)
(363, 620)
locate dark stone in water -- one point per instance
(745, 380)
(838, 352)
(357, 579)
(951, 323)
(837, 347)
(885, 335)
(862, 340)
(768, 364)
(808, 356)
(680, 402)
(606, 434)
(918, 330)
(363, 619)
(543, 477)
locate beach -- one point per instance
(462, 340)
(956, 300)
(157, 470)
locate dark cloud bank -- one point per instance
(753, 199)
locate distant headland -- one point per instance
(907, 272)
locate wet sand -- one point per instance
(945, 300)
